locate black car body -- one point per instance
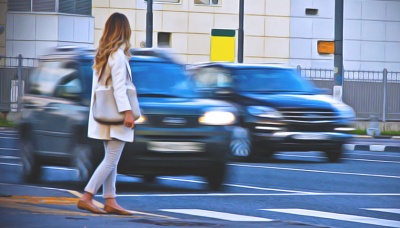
(279, 110)
(179, 132)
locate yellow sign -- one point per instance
(222, 45)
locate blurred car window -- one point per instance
(271, 80)
(213, 77)
(161, 78)
(50, 74)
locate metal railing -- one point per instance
(370, 93)
(14, 71)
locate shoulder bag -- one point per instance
(105, 109)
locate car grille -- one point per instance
(309, 116)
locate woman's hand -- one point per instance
(129, 120)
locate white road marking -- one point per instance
(8, 138)
(237, 185)
(9, 132)
(336, 216)
(218, 215)
(351, 159)
(254, 194)
(377, 148)
(8, 148)
(313, 171)
(1, 163)
(9, 157)
(388, 210)
(46, 167)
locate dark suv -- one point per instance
(279, 110)
(178, 133)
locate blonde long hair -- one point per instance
(116, 33)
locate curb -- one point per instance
(372, 148)
(377, 137)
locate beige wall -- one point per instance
(3, 18)
(266, 26)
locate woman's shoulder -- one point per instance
(117, 55)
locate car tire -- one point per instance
(216, 177)
(31, 168)
(83, 162)
(334, 155)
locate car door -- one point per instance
(65, 110)
(60, 87)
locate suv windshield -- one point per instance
(271, 80)
(160, 80)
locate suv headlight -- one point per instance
(345, 111)
(262, 111)
(217, 118)
(142, 120)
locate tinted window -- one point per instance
(271, 80)
(152, 78)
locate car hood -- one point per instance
(182, 106)
(288, 101)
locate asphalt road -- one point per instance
(292, 190)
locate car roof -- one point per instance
(84, 53)
(235, 66)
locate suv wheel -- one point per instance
(31, 168)
(240, 145)
(334, 155)
(82, 161)
(216, 177)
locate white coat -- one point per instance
(118, 68)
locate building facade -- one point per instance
(278, 31)
(35, 26)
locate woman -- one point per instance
(111, 60)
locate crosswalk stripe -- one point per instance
(218, 215)
(389, 210)
(336, 216)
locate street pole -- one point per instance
(20, 87)
(149, 24)
(241, 32)
(338, 56)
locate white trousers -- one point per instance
(106, 172)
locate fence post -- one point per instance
(19, 98)
(299, 69)
(385, 72)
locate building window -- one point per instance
(43, 5)
(81, 7)
(164, 39)
(20, 5)
(207, 2)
